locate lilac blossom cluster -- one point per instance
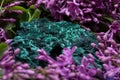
(2, 35)
(64, 67)
(81, 10)
(109, 51)
(9, 69)
(61, 69)
(12, 70)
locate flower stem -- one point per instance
(1, 4)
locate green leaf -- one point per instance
(3, 47)
(10, 27)
(18, 8)
(35, 15)
(24, 17)
(109, 19)
(30, 12)
(32, 7)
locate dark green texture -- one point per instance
(53, 37)
(3, 47)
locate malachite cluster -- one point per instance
(53, 37)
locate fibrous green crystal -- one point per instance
(53, 37)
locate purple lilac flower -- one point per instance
(14, 70)
(64, 67)
(9, 69)
(2, 35)
(81, 10)
(109, 51)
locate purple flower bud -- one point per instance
(111, 74)
(44, 56)
(112, 41)
(50, 3)
(112, 50)
(116, 5)
(99, 38)
(26, 76)
(25, 65)
(9, 20)
(105, 37)
(107, 52)
(10, 63)
(93, 45)
(87, 10)
(31, 72)
(38, 3)
(114, 12)
(14, 4)
(17, 51)
(8, 41)
(65, 10)
(101, 45)
(87, 19)
(93, 2)
(92, 72)
(4, 77)
(16, 11)
(19, 68)
(41, 77)
(10, 75)
(72, 75)
(95, 20)
(105, 59)
(91, 56)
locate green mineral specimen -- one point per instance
(53, 37)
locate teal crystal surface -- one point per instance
(53, 37)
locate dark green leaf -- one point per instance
(33, 13)
(9, 29)
(24, 17)
(9, 26)
(32, 7)
(18, 8)
(36, 14)
(109, 19)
